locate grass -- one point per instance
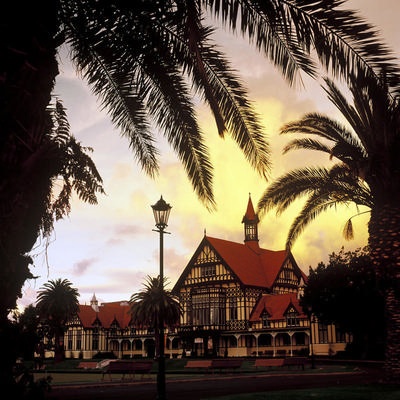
(369, 392)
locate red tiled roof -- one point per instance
(276, 306)
(108, 312)
(252, 268)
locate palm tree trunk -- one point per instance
(58, 347)
(384, 242)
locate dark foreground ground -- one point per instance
(197, 388)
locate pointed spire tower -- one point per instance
(250, 221)
(94, 303)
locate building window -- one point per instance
(323, 333)
(69, 340)
(95, 339)
(340, 335)
(208, 306)
(208, 270)
(251, 232)
(291, 318)
(233, 309)
(265, 320)
(79, 340)
(114, 329)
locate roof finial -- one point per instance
(205, 232)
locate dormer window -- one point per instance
(292, 317)
(114, 329)
(265, 320)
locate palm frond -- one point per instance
(241, 120)
(306, 144)
(267, 25)
(323, 198)
(291, 187)
(313, 207)
(348, 231)
(219, 86)
(168, 102)
(357, 122)
(287, 31)
(339, 142)
(111, 71)
(69, 162)
(195, 34)
(320, 125)
(321, 188)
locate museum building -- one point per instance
(238, 300)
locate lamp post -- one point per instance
(161, 212)
(311, 318)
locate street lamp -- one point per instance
(311, 319)
(161, 212)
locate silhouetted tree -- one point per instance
(345, 292)
(154, 301)
(57, 302)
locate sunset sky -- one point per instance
(109, 249)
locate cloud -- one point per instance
(82, 266)
(127, 230)
(116, 284)
(121, 233)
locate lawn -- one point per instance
(372, 392)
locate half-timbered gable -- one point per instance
(290, 278)
(207, 286)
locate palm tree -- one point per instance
(154, 304)
(57, 302)
(365, 171)
(155, 307)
